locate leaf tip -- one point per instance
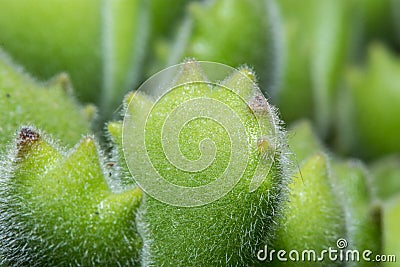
(27, 135)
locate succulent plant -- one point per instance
(57, 206)
(197, 229)
(313, 216)
(58, 209)
(330, 201)
(72, 208)
(363, 213)
(198, 169)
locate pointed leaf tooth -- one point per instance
(90, 112)
(120, 205)
(62, 81)
(26, 137)
(242, 82)
(142, 100)
(34, 154)
(124, 177)
(128, 98)
(259, 105)
(140, 104)
(115, 131)
(302, 140)
(249, 73)
(87, 158)
(190, 71)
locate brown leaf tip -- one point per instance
(259, 104)
(26, 136)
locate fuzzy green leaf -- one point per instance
(362, 214)
(57, 208)
(229, 230)
(313, 216)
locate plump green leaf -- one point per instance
(229, 230)
(57, 208)
(362, 213)
(313, 216)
